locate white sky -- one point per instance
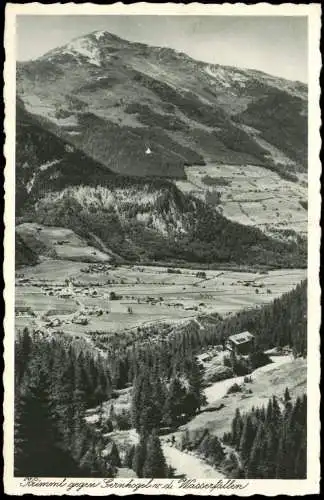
(276, 45)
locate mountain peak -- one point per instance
(101, 38)
(104, 34)
(84, 47)
(87, 47)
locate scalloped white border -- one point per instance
(313, 12)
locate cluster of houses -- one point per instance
(71, 290)
(96, 268)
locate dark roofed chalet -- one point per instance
(241, 343)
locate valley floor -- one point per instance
(80, 298)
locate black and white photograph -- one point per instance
(163, 278)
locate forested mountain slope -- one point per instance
(104, 125)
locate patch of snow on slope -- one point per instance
(73, 132)
(226, 77)
(220, 75)
(48, 164)
(86, 48)
(99, 34)
(30, 184)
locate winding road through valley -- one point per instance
(186, 463)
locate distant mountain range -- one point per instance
(104, 127)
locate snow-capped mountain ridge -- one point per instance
(90, 45)
(110, 97)
(87, 46)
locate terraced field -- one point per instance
(252, 195)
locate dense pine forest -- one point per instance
(271, 442)
(54, 384)
(264, 443)
(281, 323)
(57, 379)
(278, 324)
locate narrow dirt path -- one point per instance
(189, 466)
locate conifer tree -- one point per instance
(185, 440)
(158, 401)
(129, 456)
(62, 392)
(300, 462)
(155, 464)
(142, 403)
(271, 446)
(139, 456)
(211, 448)
(279, 444)
(23, 349)
(287, 395)
(254, 459)
(276, 412)
(282, 456)
(237, 427)
(88, 463)
(174, 404)
(248, 435)
(37, 453)
(114, 458)
(269, 412)
(101, 419)
(195, 397)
